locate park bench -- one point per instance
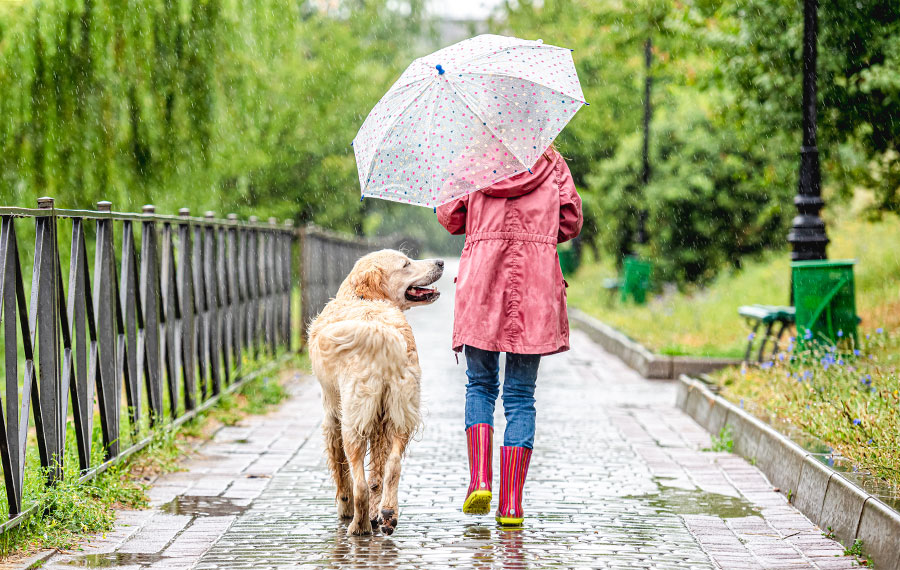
(768, 316)
(611, 285)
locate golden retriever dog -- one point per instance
(363, 353)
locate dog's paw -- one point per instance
(359, 528)
(388, 520)
(345, 507)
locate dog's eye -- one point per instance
(406, 264)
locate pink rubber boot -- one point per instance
(513, 470)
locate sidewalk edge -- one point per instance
(825, 496)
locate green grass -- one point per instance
(69, 510)
(847, 397)
(704, 321)
(722, 442)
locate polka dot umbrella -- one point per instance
(465, 117)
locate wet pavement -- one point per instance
(619, 479)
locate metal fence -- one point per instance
(328, 257)
(169, 321)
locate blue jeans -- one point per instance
(518, 392)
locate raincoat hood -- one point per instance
(523, 183)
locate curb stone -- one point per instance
(37, 560)
(638, 357)
(825, 496)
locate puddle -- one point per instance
(205, 506)
(697, 502)
(115, 560)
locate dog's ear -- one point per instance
(369, 283)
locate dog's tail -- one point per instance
(380, 344)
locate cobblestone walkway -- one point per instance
(618, 480)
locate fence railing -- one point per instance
(168, 321)
(328, 257)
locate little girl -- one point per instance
(510, 297)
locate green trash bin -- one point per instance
(636, 279)
(568, 260)
(825, 300)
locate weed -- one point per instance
(855, 550)
(722, 442)
(829, 534)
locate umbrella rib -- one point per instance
(388, 130)
(434, 103)
(471, 105)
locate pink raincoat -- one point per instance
(510, 293)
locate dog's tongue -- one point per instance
(419, 291)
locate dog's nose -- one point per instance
(439, 263)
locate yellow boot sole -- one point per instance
(478, 503)
(510, 521)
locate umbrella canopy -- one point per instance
(465, 117)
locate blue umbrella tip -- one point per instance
(439, 68)
(530, 172)
(586, 103)
(361, 197)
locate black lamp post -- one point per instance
(640, 236)
(807, 235)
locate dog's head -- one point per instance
(391, 276)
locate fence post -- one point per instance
(288, 253)
(12, 295)
(211, 293)
(107, 359)
(201, 317)
(44, 319)
(153, 314)
(188, 310)
(223, 305)
(131, 348)
(253, 307)
(172, 340)
(237, 276)
(83, 364)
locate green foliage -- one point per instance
(712, 199)
(246, 106)
(856, 549)
(722, 442)
(858, 83)
(725, 133)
